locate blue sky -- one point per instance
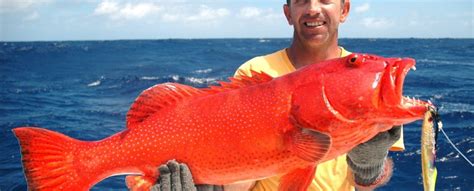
(31, 20)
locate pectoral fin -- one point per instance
(310, 145)
(298, 180)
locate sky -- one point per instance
(44, 20)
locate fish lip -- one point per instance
(397, 70)
(403, 68)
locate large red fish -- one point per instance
(246, 129)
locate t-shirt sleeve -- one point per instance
(399, 145)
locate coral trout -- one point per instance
(249, 128)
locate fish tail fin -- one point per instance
(48, 160)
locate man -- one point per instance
(315, 39)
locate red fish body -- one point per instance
(247, 129)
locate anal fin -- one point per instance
(297, 180)
(139, 183)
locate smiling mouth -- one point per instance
(314, 24)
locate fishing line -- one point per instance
(452, 144)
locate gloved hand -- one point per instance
(368, 160)
(177, 177)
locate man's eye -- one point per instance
(299, 2)
(327, 1)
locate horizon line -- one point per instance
(227, 38)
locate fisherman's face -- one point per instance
(316, 21)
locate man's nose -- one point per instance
(313, 8)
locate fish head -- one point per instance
(370, 87)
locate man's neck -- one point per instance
(301, 56)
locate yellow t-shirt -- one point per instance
(330, 175)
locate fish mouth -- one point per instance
(393, 80)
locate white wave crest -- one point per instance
(203, 71)
(175, 77)
(96, 83)
(149, 78)
(178, 78)
(201, 80)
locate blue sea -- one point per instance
(84, 89)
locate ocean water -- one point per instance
(84, 89)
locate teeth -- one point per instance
(314, 24)
(408, 101)
(413, 68)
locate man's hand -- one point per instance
(368, 160)
(177, 177)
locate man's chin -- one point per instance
(315, 41)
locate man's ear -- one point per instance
(345, 11)
(286, 10)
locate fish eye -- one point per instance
(355, 60)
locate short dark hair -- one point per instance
(289, 1)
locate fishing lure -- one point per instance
(429, 135)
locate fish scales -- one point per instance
(245, 135)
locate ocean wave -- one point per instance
(32, 90)
(407, 154)
(203, 71)
(160, 78)
(25, 48)
(96, 83)
(130, 84)
(456, 108)
(191, 80)
(445, 62)
(469, 151)
(448, 157)
(449, 177)
(60, 45)
(149, 78)
(201, 81)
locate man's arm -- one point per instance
(369, 162)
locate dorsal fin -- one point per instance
(157, 97)
(164, 95)
(240, 82)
